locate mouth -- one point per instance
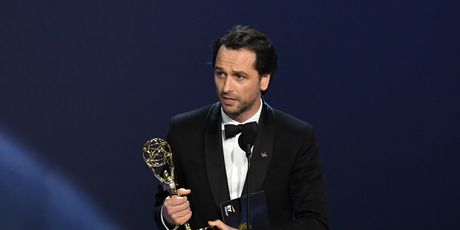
(227, 100)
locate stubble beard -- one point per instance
(241, 108)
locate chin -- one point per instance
(231, 112)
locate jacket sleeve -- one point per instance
(306, 189)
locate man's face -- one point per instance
(238, 83)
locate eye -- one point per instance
(240, 77)
(219, 73)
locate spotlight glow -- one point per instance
(33, 196)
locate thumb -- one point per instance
(183, 192)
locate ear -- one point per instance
(264, 82)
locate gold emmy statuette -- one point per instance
(243, 226)
(158, 157)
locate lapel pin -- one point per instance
(264, 155)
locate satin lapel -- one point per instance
(263, 149)
(214, 157)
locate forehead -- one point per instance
(235, 58)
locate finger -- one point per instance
(219, 225)
(175, 216)
(216, 224)
(183, 192)
(175, 200)
(174, 207)
(183, 217)
(179, 217)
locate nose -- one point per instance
(228, 85)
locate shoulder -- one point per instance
(292, 130)
(287, 122)
(195, 114)
(193, 119)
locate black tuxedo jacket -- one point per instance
(285, 164)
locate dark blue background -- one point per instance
(83, 84)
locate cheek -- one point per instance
(250, 91)
(217, 84)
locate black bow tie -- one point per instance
(233, 130)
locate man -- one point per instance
(285, 161)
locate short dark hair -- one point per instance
(249, 38)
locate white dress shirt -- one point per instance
(236, 163)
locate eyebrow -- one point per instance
(233, 72)
(240, 73)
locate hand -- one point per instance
(218, 224)
(176, 209)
